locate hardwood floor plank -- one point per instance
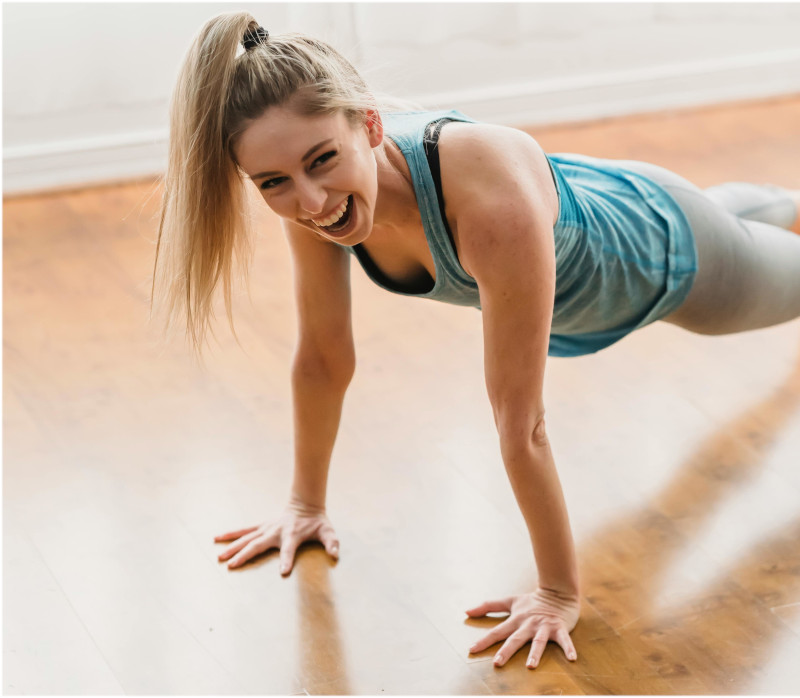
(46, 647)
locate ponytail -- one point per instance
(219, 92)
(202, 223)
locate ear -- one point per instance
(374, 127)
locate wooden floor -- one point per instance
(679, 454)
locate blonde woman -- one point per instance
(564, 255)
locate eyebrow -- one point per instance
(311, 151)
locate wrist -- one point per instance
(565, 592)
(303, 506)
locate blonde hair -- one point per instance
(218, 93)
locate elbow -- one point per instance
(335, 371)
(523, 437)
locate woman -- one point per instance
(564, 255)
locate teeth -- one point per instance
(335, 216)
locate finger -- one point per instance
(233, 535)
(537, 647)
(499, 632)
(328, 538)
(490, 607)
(516, 640)
(288, 550)
(563, 639)
(255, 547)
(237, 546)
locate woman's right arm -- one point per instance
(324, 360)
(323, 365)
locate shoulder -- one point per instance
(487, 137)
(322, 291)
(304, 243)
(487, 153)
(497, 186)
(483, 164)
(318, 264)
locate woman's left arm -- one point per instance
(505, 234)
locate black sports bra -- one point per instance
(431, 145)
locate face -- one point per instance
(318, 171)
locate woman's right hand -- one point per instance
(297, 524)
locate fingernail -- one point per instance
(572, 655)
(497, 659)
(474, 648)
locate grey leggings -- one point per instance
(748, 273)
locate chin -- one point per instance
(354, 238)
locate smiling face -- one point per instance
(317, 171)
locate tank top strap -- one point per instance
(407, 130)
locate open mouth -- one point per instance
(340, 225)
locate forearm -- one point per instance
(534, 479)
(318, 396)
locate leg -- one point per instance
(764, 203)
(748, 271)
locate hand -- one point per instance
(541, 616)
(297, 524)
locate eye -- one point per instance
(276, 181)
(324, 157)
(271, 183)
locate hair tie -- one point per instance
(254, 37)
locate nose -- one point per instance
(311, 197)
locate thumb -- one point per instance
(328, 538)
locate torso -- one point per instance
(402, 253)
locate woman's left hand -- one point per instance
(541, 616)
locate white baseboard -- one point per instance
(588, 97)
(83, 162)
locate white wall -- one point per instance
(86, 86)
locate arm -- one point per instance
(323, 365)
(324, 360)
(516, 277)
(508, 247)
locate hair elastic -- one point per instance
(254, 37)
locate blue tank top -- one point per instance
(625, 253)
